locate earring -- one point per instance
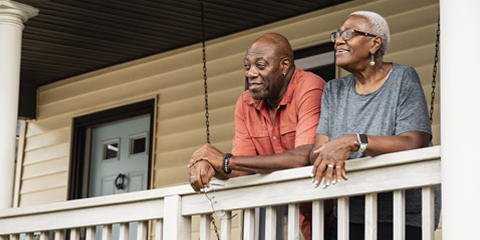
(284, 74)
(372, 62)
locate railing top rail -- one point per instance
(402, 170)
(109, 200)
(384, 160)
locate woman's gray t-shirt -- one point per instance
(398, 106)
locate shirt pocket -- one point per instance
(261, 141)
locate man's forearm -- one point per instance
(297, 157)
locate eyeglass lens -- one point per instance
(217, 207)
(346, 35)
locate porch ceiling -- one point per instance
(71, 37)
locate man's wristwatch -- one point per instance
(363, 141)
(225, 167)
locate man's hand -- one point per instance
(211, 154)
(330, 161)
(200, 175)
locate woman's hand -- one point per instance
(330, 159)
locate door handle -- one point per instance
(120, 185)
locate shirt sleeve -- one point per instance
(309, 112)
(412, 111)
(322, 127)
(242, 141)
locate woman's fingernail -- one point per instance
(324, 186)
(328, 183)
(313, 180)
(311, 174)
(333, 182)
(338, 180)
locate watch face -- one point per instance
(363, 138)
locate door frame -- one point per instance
(81, 126)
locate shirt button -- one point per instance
(274, 137)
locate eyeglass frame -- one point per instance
(212, 202)
(333, 39)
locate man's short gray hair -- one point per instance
(379, 28)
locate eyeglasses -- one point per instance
(348, 34)
(216, 206)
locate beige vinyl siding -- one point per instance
(175, 79)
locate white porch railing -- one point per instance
(172, 208)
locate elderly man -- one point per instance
(275, 120)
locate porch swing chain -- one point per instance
(432, 103)
(207, 123)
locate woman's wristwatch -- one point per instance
(363, 141)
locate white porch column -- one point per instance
(460, 86)
(12, 17)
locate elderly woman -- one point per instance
(379, 108)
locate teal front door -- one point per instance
(119, 157)
(119, 162)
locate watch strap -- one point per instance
(226, 160)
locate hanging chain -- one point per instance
(215, 227)
(434, 84)
(207, 123)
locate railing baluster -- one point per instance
(226, 226)
(205, 227)
(176, 226)
(142, 230)
(249, 223)
(90, 233)
(107, 232)
(399, 215)
(270, 223)
(371, 216)
(159, 229)
(318, 212)
(60, 235)
(44, 235)
(428, 213)
(123, 231)
(29, 236)
(293, 221)
(14, 237)
(75, 234)
(343, 218)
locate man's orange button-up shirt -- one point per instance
(295, 121)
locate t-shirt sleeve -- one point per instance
(322, 127)
(412, 111)
(242, 141)
(309, 112)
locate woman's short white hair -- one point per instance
(379, 28)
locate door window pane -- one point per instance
(110, 150)
(138, 145)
